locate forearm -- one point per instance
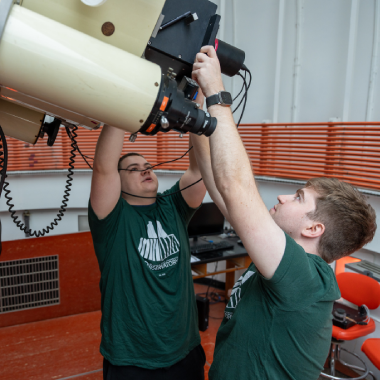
(193, 164)
(230, 163)
(202, 153)
(108, 149)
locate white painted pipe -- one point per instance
(233, 5)
(277, 80)
(350, 59)
(223, 16)
(297, 61)
(374, 63)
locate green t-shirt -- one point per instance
(149, 316)
(278, 329)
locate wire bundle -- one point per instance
(245, 95)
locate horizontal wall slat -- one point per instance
(348, 151)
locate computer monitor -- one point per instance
(207, 220)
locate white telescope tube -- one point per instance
(69, 69)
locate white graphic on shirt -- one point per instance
(158, 247)
(236, 293)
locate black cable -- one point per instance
(162, 163)
(245, 92)
(163, 196)
(245, 103)
(3, 159)
(244, 98)
(77, 148)
(166, 162)
(244, 68)
(250, 78)
(3, 168)
(242, 88)
(72, 135)
(153, 166)
(176, 159)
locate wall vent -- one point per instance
(29, 283)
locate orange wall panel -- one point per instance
(79, 275)
(345, 150)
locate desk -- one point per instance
(236, 258)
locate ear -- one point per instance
(313, 230)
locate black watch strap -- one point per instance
(212, 100)
(223, 98)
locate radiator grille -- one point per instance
(29, 283)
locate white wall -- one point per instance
(310, 60)
(41, 194)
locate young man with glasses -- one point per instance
(149, 318)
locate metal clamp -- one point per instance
(132, 137)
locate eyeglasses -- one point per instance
(138, 170)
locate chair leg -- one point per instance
(373, 376)
(332, 359)
(335, 356)
(355, 367)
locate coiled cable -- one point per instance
(3, 159)
(72, 135)
(3, 167)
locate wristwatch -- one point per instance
(223, 98)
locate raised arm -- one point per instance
(263, 239)
(105, 184)
(193, 195)
(201, 149)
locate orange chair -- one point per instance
(359, 290)
(340, 265)
(371, 347)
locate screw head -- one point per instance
(156, 84)
(108, 28)
(141, 120)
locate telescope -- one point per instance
(124, 63)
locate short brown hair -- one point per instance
(125, 156)
(350, 222)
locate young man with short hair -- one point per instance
(149, 318)
(277, 324)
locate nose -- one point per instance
(145, 170)
(282, 198)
